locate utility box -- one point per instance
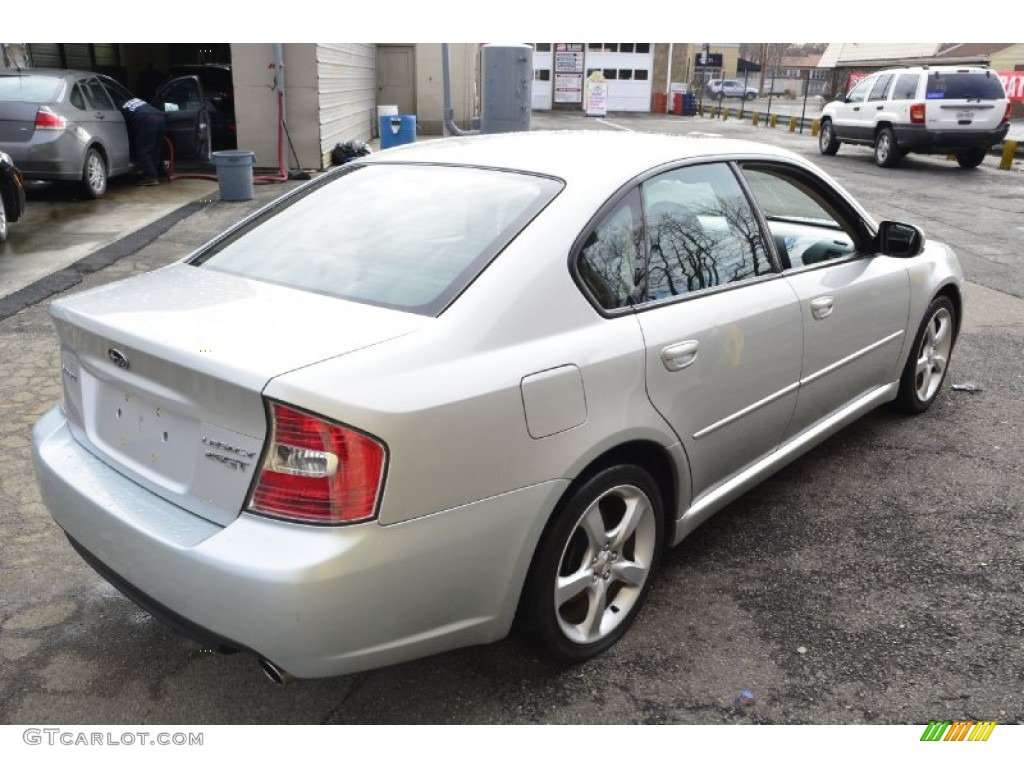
(506, 89)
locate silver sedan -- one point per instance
(470, 384)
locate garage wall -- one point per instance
(252, 68)
(464, 66)
(347, 91)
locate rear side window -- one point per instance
(611, 259)
(408, 237)
(95, 96)
(37, 88)
(878, 89)
(906, 87)
(701, 232)
(964, 85)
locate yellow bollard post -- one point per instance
(1009, 150)
(755, 119)
(739, 114)
(773, 120)
(815, 125)
(792, 124)
(725, 115)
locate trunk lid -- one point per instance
(163, 374)
(17, 121)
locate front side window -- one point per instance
(861, 90)
(808, 224)
(701, 232)
(409, 237)
(117, 92)
(180, 96)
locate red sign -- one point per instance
(855, 77)
(1013, 82)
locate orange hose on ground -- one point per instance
(282, 171)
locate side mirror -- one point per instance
(899, 240)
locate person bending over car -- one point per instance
(146, 128)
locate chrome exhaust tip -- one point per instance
(273, 672)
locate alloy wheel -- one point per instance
(933, 354)
(606, 562)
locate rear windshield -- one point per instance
(964, 85)
(37, 88)
(409, 237)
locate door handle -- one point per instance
(856, 109)
(879, 107)
(679, 356)
(100, 116)
(822, 307)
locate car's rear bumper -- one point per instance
(918, 138)
(316, 601)
(48, 156)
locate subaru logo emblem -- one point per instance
(117, 358)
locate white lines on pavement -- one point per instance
(614, 125)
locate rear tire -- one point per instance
(3, 221)
(971, 159)
(94, 174)
(887, 151)
(828, 144)
(592, 570)
(929, 358)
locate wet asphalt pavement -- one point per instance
(879, 579)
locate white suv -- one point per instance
(944, 110)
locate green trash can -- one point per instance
(234, 173)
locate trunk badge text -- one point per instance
(234, 460)
(117, 357)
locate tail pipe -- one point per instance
(273, 672)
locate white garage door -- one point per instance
(628, 68)
(543, 64)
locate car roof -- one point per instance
(943, 68)
(53, 72)
(593, 156)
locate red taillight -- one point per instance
(1006, 114)
(917, 113)
(317, 471)
(48, 120)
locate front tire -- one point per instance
(972, 158)
(94, 174)
(3, 221)
(828, 144)
(929, 360)
(887, 151)
(592, 569)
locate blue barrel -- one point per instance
(397, 129)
